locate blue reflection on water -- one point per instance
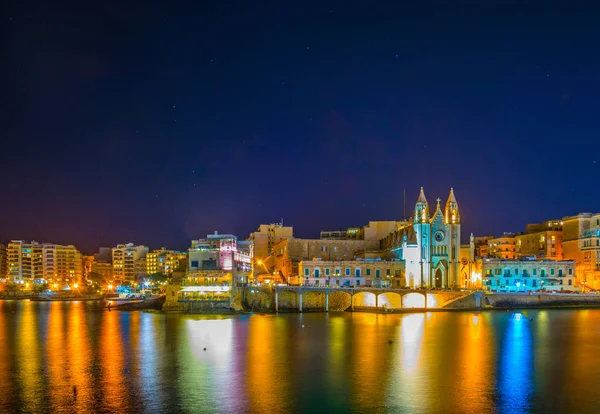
(515, 380)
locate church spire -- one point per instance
(421, 208)
(451, 211)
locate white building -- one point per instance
(528, 275)
(430, 246)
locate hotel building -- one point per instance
(127, 262)
(43, 262)
(164, 261)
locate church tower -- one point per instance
(452, 219)
(422, 228)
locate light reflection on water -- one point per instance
(78, 357)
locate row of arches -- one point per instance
(386, 300)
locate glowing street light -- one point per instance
(110, 287)
(75, 285)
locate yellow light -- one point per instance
(110, 287)
(75, 285)
(55, 285)
(260, 262)
(26, 285)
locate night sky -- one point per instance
(159, 123)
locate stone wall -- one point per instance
(543, 300)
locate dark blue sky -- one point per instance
(159, 123)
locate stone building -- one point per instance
(581, 243)
(288, 253)
(502, 247)
(266, 237)
(347, 273)
(528, 275)
(542, 240)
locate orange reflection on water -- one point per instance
(371, 336)
(112, 361)
(56, 354)
(29, 360)
(267, 381)
(79, 357)
(473, 365)
(5, 356)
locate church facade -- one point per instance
(430, 246)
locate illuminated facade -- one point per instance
(541, 240)
(127, 262)
(3, 263)
(348, 273)
(503, 247)
(164, 261)
(430, 246)
(43, 262)
(263, 239)
(528, 275)
(581, 243)
(220, 252)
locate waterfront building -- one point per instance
(43, 262)
(263, 241)
(581, 243)
(3, 263)
(430, 246)
(502, 247)
(352, 273)
(528, 274)
(542, 240)
(282, 263)
(220, 252)
(164, 261)
(127, 262)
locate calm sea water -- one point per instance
(74, 357)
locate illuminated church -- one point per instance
(430, 246)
